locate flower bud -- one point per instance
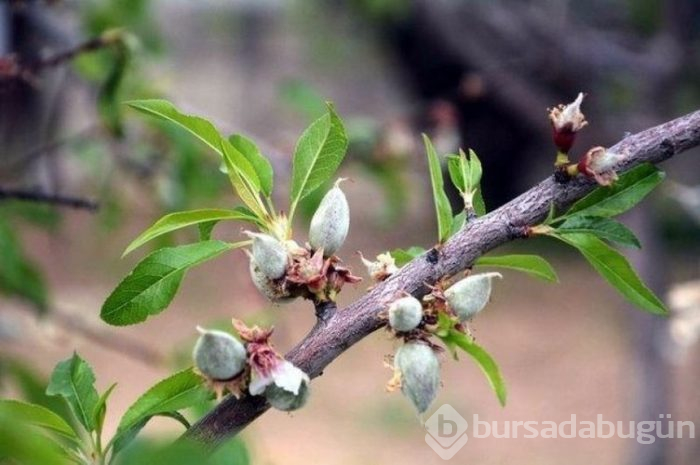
(218, 355)
(599, 164)
(566, 121)
(269, 254)
(330, 223)
(470, 295)
(405, 314)
(285, 400)
(381, 269)
(419, 369)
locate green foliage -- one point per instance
(624, 194)
(403, 256)
(260, 164)
(152, 285)
(36, 415)
(454, 339)
(604, 228)
(442, 204)
(74, 380)
(615, 269)
(534, 265)
(465, 173)
(318, 153)
(19, 276)
(179, 391)
(178, 220)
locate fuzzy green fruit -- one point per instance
(470, 295)
(273, 290)
(420, 374)
(287, 401)
(405, 314)
(218, 355)
(270, 255)
(330, 224)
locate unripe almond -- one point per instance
(218, 355)
(269, 254)
(420, 374)
(405, 314)
(330, 224)
(287, 401)
(275, 291)
(470, 295)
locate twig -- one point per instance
(350, 325)
(52, 199)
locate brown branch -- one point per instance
(51, 199)
(346, 327)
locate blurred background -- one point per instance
(81, 175)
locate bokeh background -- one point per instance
(477, 74)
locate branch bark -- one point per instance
(335, 334)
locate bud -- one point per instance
(419, 370)
(381, 269)
(566, 121)
(269, 254)
(470, 295)
(287, 401)
(330, 223)
(405, 314)
(218, 355)
(599, 164)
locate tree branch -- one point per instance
(346, 327)
(51, 199)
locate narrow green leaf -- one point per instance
(482, 358)
(243, 178)
(101, 409)
(319, 152)
(252, 153)
(624, 194)
(22, 444)
(403, 256)
(179, 391)
(455, 167)
(604, 228)
(74, 380)
(152, 285)
(442, 204)
(475, 169)
(206, 229)
(458, 222)
(36, 415)
(197, 126)
(174, 221)
(534, 265)
(616, 270)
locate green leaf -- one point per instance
(624, 194)
(243, 178)
(151, 286)
(604, 228)
(260, 164)
(458, 222)
(74, 380)
(465, 173)
(179, 391)
(241, 171)
(442, 204)
(534, 265)
(319, 152)
(36, 415)
(174, 221)
(108, 97)
(616, 270)
(101, 409)
(197, 126)
(458, 168)
(403, 256)
(19, 276)
(23, 444)
(483, 359)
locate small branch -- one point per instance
(52, 199)
(348, 326)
